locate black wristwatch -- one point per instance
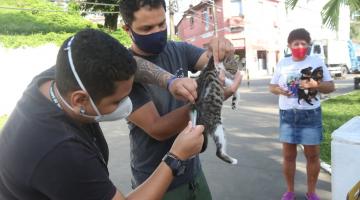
(177, 166)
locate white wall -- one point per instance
(18, 67)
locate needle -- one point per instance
(193, 117)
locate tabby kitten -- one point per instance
(208, 106)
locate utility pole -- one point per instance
(215, 17)
(173, 7)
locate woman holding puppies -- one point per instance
(300, 111)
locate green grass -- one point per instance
(33, 40)
(3, 120)
(26, 28)
(38, 39)
(337, 111)
(28, 22)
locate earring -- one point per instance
(82, 110)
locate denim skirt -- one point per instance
(301, 126)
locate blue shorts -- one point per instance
(301, 126)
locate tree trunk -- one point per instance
(111, 21)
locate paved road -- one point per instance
(252, 139)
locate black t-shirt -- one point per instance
(45, 155)
(145, 152)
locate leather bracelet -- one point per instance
(170, 81)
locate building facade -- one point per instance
(258, 29)
(255, 38)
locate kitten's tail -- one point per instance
(235, 100)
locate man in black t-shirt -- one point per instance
(153, 133)
(52, 146)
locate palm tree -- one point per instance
(331, 10)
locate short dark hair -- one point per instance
(100, 61)
(299, 34)
(129, 7)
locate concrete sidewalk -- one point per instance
(252, 139)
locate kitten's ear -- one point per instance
(211, 60)
(211, 64)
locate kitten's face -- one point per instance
(306, 72)
(232, 64)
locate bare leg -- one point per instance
(289, 164)
(312, 153)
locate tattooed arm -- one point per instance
(149, 73)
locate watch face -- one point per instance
(177, 166)
(181, 170)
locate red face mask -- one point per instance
(299, 53)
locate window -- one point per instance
(236, 29)
(210, 11)
(317, 49)
(236, 8)
(191, 22)
(206, 19)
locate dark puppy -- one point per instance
(306, 74)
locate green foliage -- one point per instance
(174, 38)
(3, 120)
(120, 35)
(33, 40)
(355, 31)
(28, 22)
(336, 112)
(73, 6)
(330, 11)
(111, 19)
(38, 39)
(109, 8)
(330, 14)
(26, 28)
(290, 4)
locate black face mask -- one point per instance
(153, 43)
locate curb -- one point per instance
(338, 95)
(323, 165)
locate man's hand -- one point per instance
(306, 84)
(220, 48)
(184, 89)
(189, 142)
(230, 90)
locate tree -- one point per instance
(331, 10)
(355, 31)
(110, 9)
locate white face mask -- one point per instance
(122, 111)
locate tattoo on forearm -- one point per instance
(150, 73)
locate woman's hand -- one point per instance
(307, 84)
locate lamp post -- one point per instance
(215, 18)
(214, 10)
(173, 7)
